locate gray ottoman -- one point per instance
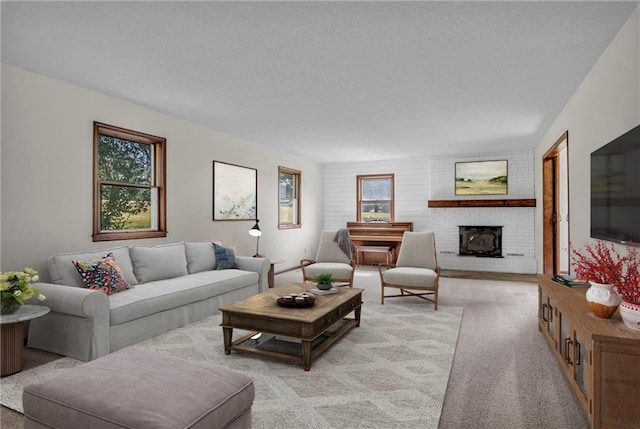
(138, 389)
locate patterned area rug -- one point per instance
(390, 372)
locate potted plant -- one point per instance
(605, 268)
(324, 281)
(15, 289)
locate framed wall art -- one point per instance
(481, 178)
(235, 192)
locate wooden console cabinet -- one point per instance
(600, 357)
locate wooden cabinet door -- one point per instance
(574, 348)
(581, 371)
(582, 361)
(546, 314)
(565, 341)
(616, 384)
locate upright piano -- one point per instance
(378, 234)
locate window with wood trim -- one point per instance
(129, 195)
(289, 181)
(375, 198)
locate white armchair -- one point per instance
(416, 269)
(331, 258)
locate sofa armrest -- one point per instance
(258, 265)
(72, 300)
(77, 325)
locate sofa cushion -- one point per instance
(410, 276)
(161, 295)
(102, 274)
(200, 257)
(63, 272)
(337, 269)
(152, 263)
(225, 257)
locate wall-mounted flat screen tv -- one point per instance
(615, 190)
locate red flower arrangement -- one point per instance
(603, 264)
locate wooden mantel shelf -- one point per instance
(523, 202)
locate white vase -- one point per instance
(630, 313)
(603, 300)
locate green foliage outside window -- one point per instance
(125, 169)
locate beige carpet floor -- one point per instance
(391, 372)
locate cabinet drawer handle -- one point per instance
(544, 308)
(567, 356)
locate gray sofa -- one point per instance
(173, 285)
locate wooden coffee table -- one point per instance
(292, 335)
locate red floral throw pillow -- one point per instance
(102, 274)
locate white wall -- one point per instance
(606, 105)
(418, 180)
(46, 175)
(411, 183)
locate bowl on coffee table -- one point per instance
(296, 300)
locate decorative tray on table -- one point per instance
(296, 300)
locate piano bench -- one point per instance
(388, 250)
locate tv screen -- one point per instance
(615, 190)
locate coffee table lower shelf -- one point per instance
(287, 349)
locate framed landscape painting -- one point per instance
(235, 192)
(481, 178)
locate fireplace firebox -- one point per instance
(485, 241)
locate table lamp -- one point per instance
(255, 232)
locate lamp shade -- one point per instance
(255, 231)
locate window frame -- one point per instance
(297, 196)
(159, 180)
(359, 184)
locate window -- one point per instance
(129, 184)
(288, 198)
(375, 198)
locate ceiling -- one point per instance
(330, 81)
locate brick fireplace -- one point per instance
(447, 212)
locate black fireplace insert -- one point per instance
(481, 241)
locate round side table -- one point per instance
(12, 336)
